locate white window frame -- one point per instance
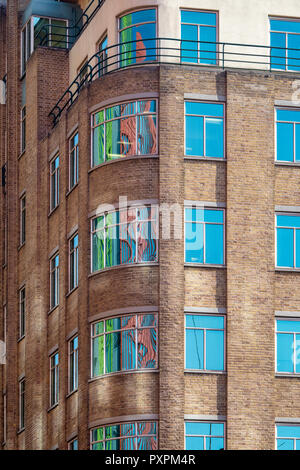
(208, 420)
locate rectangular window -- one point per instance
(124, 130)
(54, 281)
(285, 44)
(54, 379)
(73, 160)
(73, 445)
(83, 71)
(50, 32)
(288, 346)
(141, 435)
(54, 183)
(22, 220)
(137, 37)
(73, 256)
(200, 435)
(204, 129)
(22, 404)
(288, 240)
(124, 237)
(199, 37)
(23, 129)
(288, 135)
(22, 311)
(204, 342)
(26, 45)
(73, 364)
(204, 236)
(4, 416)
(288, 437)
(102, 57)
(124, 343)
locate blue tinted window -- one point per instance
(199, 28)
(204, 344)
(288, 437)
(204, 129)
(285, 44)
(288, 135)
(288, 241)
(204, 436)
(288, 346)
(204, 236)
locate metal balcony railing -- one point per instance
(65, 36)
(177, 52)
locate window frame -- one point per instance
(23, 219)
(206, 207)
(286, 58)
(286, 108)
(54, 373)
(204, 157)
(217, 27)
(102, 68)
(54, 190)
(74, 153)
(135, 263)
(294, 439)
(136, 115)
(204, 370)
(119, 30)
(23, 129)
(73, 354)
(71, 442)
(54, 271)
(135, 436)
(50, 18)
(293, 214)
(73, 255)
(22, 391)
(285, 373)
(205, 421)
(136, 369)
(22, 312)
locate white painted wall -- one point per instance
(240, 21)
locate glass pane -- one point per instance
(98, 250)
(144, 107)
(112, 246)
(214, 141)
(213, 215)
(194, 136)
(288, 431)
(127, 444)
(290, 115)
(214, 443)
(147, 348)
(204, 109)
(98, 145)
(147, 241)
(285, 142)
(194, 214)
(147, 443)
(285, 25)
(198, 17)
(203, 429)
(98, 356)
(278, 56)
(194, 243)
(138, 45)
(204, 321)
(285, 352)
(294, 55)
(290, 326)
(128, 350)
(297, 355)
(97, 434)
(113, 352)
(59, 33)
(146, 135)
(113, 112)
(136, 17)
(114, 444)
(214, 250)
(127, 243)
(285, 247)
(288, 220)
(194, 443)
(147, 320)
(113, 324)
(189, 45)
(121, 138)
(194, 349)
(98, 446)
(285, 444)
(214, 350)
(208, 46)
(41, 31)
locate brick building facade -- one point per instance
(251, 396)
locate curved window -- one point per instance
(137, 33)
(127, 236)
(140, 435)
(124, 130)
(124, 343)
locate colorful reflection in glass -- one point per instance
(128, 436)
(125, 237)
(137, 32)
(124, 343)
(124, 130)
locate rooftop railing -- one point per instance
(220, 55)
